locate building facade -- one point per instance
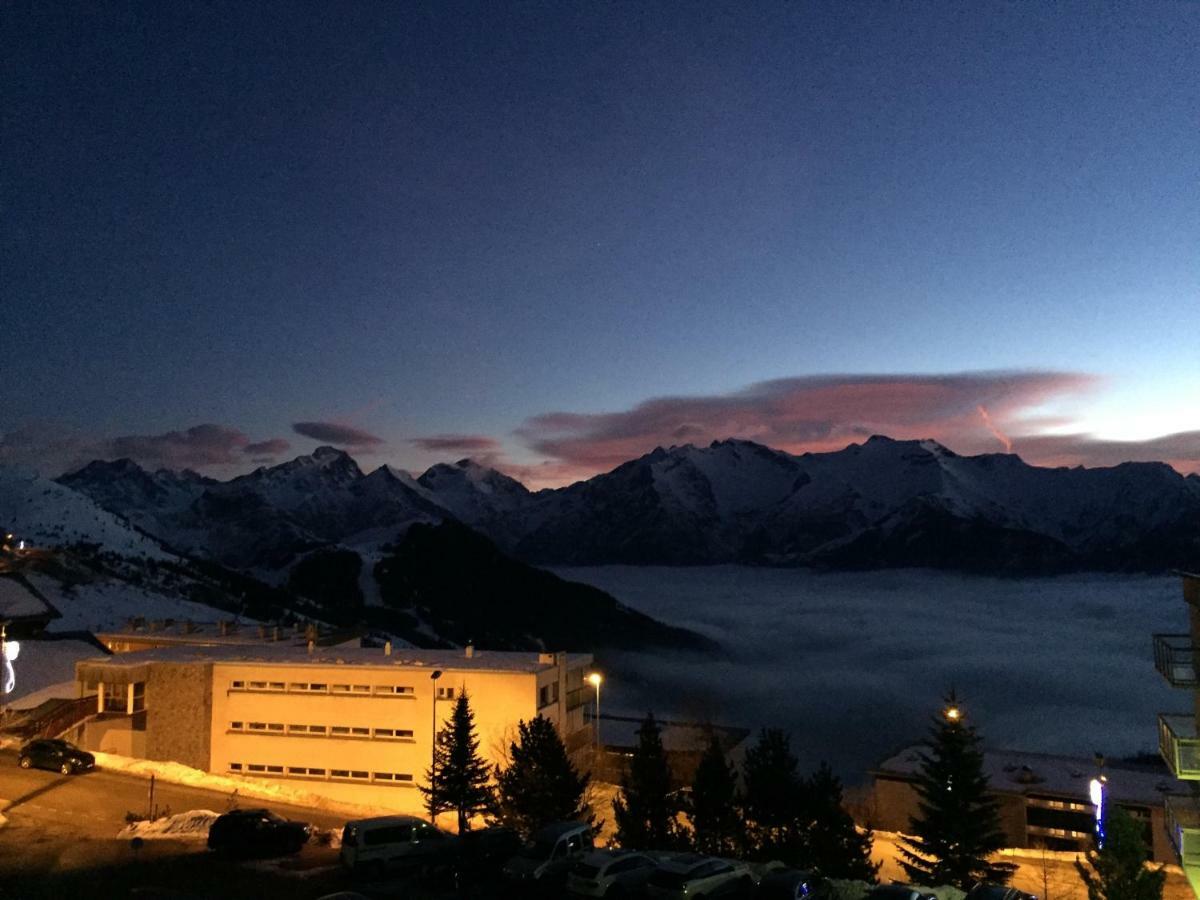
(1179, 733)
(1044, 800)
(352, 724)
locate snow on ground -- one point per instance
(246, 788)
(48, 514)
(853, 663)
(46, 669)
(193, 824)
(107, 604)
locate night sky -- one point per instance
(552, 236)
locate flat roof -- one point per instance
(372, 657)
(1023, 772)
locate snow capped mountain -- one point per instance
(474, 493)
(45, 514)
(879, 503)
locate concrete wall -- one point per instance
(498, 700)
(113, 735)
(179, 701)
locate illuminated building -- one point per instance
(350, 723)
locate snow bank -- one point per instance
(246, 788)
(193, 824)
(106, 604)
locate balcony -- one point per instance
(1179, 745)
(1183, 828)
(1174, 657)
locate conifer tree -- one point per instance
(540, 785)
(716, 823)
(1118, 871)
(773, 800)
(458, 780)
(646, 806)
(834, 846)
(958, 825)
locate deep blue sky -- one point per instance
(421, 220)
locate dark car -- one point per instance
(997, 892)
(788, 884)
(899, 892)
(56, 754)
(256, 832)
(482, 854)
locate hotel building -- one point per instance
(349, 723)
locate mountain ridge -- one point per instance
(882, 502)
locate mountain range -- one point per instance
(881, 503)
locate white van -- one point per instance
(373, 847)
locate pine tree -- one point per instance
(1118, 870)
(773, 800)
(836, 848)
(540, 785)
(458, 780)
(958, 826)
(716, 824)
(646, 806)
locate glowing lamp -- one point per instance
(953, 713)
(594, 679)
(10, 651)
(1097, 789)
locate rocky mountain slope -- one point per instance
(880, 503)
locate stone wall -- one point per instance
(179, 713)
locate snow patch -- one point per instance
(193, 824)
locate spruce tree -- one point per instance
(646, 806)
(773, 800)
(458, 780)
(1118, 870)
(540, 785)
(958, 825)
(716, 824)
(835, 847)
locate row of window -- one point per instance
(393, 778)
(353, 731)
(320, 687)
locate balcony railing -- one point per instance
(1183, 828)
(1179, 744)
(1174, 657)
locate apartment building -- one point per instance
(1044, 800)
(350, 723)
(1179, 734)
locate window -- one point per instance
(445, 693)
(392, 834)
(360, 732)
(340, 688)
(363, 776)
(394, 734)
(274, 726)
(316, 729)
(256, 767)
(237, 685)
(258, 685)
(297, 729)
(258, 726)
(235, 767)
(339, 729)
(360, 688)
(275, 685)
(397, 690)
(319, 773)
(275, 770)
(236, 726)
(339, 773)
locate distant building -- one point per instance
(683, 742)
(1179, 735)
(353, 724)
(1045, 800)
(149, 634)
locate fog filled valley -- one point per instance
(853, 663)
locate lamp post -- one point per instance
(433, 677)
(595, 679)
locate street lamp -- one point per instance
(433, 677)
(595, 679)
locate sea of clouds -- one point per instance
(852, 664)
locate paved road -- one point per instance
(95, 804)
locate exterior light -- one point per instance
(1097, 791)
(595, 679)
(9, 650)
(952, 713)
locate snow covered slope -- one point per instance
(45, 513)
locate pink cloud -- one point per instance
(333, 433)
(810, 414)
(468, 444)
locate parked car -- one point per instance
(256, 832)
(899, 892)
(788, 884)
(997, 892)
(483, 853)
(688, 875)
(544, 861)
(373, 847)
(52, 753)
(610, 873)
